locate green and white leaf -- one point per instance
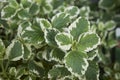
(12, 71)
(73, 11)
(34, 9)
(44, 23)
(36, 68)
(88, 41)
(22, 26)
(49, 36)
(23, 14)
(33, 34)
(13, 3)
(92, 72)
(46, 54)
(92, 54)
(84, 11)
(64, 40)
(60, 20)
(8, 12)
(2, 49)
(106, 4)
(111, 41)
(27, 52)
(26, 3)
(58, 72)
(57, 55)
(78, 27)
(14, 51)
(110, 25)
(78, 58)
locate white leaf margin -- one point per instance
(8, 50)
(83, 66)
(64, 47)
(94, 46)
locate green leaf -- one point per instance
(44, 23)
(79, 26)
(88, 42)
(8, 12)
(13, 3)
(26, 3)
(36, 68)
(92, 54)
(110, 25)
(107, 4)
(49, 36)
(57, 55)
(60, 20)
(64, 40)
(76, 63)
(33, 34)
(92, 72)
(15, 51)
(23, 14)
(2, 49)
(27, 52)
(84, 11)
(12, 71)
(58, 72)
(34, 9)
(46, 53)
(22, 26)
(111, 41)
(73, 11)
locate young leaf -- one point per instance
(79, 26)
(64, 40)
(88, 42)
(58, 72)
(92, 72)
(78, 58)
(49, 36)
(8, 12)
(2, 49)
(60, 20)
(15, 51)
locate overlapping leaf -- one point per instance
(79, 26)
(57, 55)
(64, 40)
(88, 42)
(60, 20)
(8, 12)
(78, 58)
(58, 72)
(73, 11)
(50, 36)
(92, 72)
(15, 51)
